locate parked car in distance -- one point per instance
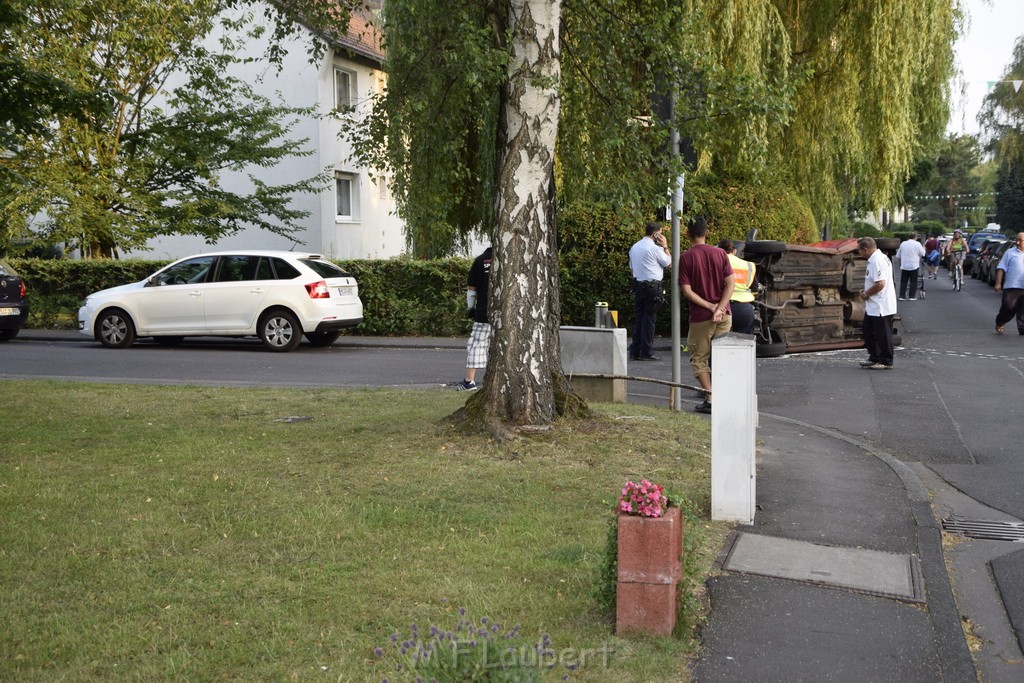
(13, 302)
(278, 296)
(981, 263)
(997, 255)
(974, 244)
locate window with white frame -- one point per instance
(344, 89)
(347, 196)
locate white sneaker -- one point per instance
(913, 298)
(903, 298)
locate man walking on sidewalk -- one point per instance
(879, 296)
(910, 254)
(1010, 281)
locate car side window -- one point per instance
(264, 271)
(285, 270)
(237, 268)
(190, 272)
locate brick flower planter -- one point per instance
(650, 565)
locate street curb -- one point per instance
(955, 661)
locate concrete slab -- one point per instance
(767, 629)
(861, 569)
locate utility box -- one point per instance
(595, 351)
(733, 428)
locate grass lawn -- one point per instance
(191, 533)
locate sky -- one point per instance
(983, 53)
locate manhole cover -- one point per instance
(860, 569)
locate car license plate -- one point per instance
(8, 311)
(346, 291)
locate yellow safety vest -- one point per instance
(743, 273)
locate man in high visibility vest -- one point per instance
(742, 300)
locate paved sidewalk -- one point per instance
(820, 488)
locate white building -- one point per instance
(354, 217)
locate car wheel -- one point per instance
(279, 330)
(8, 334)
(770, 350)
(323, 338)
(888, 243)
(115, 329)
(168, 341)
(763, 247)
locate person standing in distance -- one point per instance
(476, 305)
(879, 296)
(910, 254)
(932, 245)
(742, 301)
(706, 280)
(648, 259)
(1010, 281)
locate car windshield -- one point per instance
(324, 268)
(7, 270)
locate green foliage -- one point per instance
(864, 229)
(149, 162)
(1002, 119)
(945, 186)
(930, 228)
(736, 207)
(593, 256)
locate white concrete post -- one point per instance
(733, 428)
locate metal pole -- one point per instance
(677, 209)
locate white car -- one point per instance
(278, 296)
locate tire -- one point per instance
(9, 334)
(169, 341)
(115, 329)
(763, 248)
(888, 243)
(770, 350)
(323, 339)
(279, 330)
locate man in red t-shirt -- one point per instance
(706, 280)
(931, 245)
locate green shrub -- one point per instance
(736, 207)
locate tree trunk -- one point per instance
(524, 364)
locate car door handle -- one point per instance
(195, 292)
(256, 290)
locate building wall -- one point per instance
(374, 231)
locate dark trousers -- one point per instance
(645, 299)
(742, 317)
(878, 338)
(908, 276)
(1012, 305)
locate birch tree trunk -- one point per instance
(524, 364)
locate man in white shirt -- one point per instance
(910, 254)
(879, 296)
(648, 259)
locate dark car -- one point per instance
(13, 302)
(997, 256)
(982, 262)
(807, 298)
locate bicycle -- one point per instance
(958, 273)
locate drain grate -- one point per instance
(985, 529)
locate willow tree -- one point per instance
(1002, 120)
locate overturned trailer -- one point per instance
(807, 295)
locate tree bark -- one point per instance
(524, 364)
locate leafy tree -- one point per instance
(1002, 119)
(173, 121)
(948, 187)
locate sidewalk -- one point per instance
(783, 619)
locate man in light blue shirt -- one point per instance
(1010, 281)
(648, 259)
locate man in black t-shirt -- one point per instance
(476, 303)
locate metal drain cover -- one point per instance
(860, 569)
(985, 529)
